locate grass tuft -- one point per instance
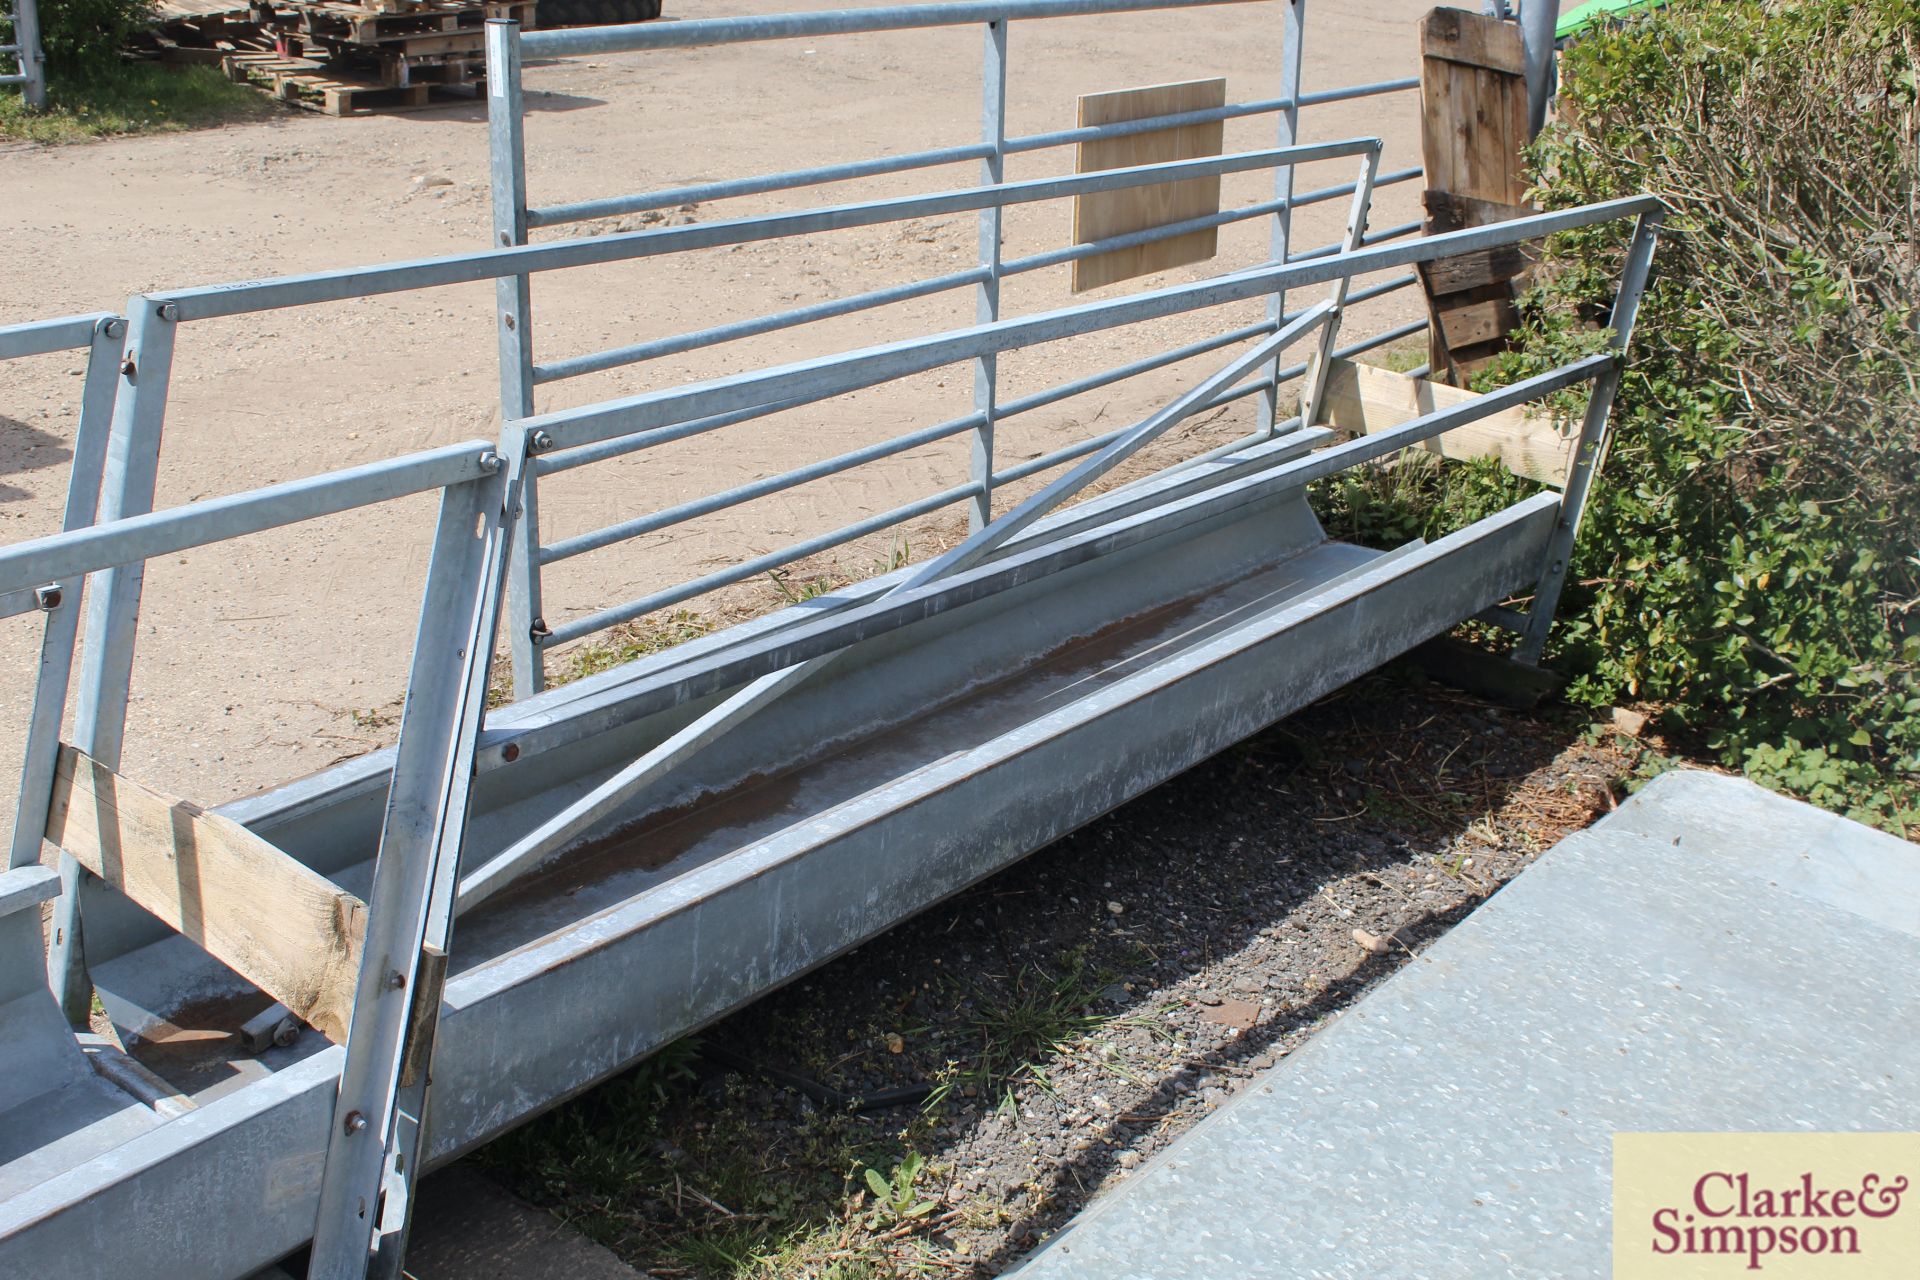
(135, 97)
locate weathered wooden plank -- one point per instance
(1474, 125)
(1495, 677)
(277, 923)
(1475, 270)
(1361, 399)
(1474, 39)
(1473, 323)
(1473, 103)
(1112, 213)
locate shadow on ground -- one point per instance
(1074, 1014)
(24, 448)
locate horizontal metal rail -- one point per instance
(823, 377)
(831, 22)
(1207, 115)
(1379, 444)
(213, 301)
(554, 215)
(836, 538)
(654, 349)
(1205, 222)
(643, 525)
(655, 521)
(44, 337)
(66, 555)
(619, 446)
(615, 357)
(787, 180)
(760, 564)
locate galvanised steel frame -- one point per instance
(326, 1144)
(29, 60)
(491, 1072)
(529, 632)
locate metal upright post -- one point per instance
(113, 611)
(993, 171)
(1357, 215)
(1596, 433)
(61, 600)
(1292, 36)
(1538, 19)
(513, 295)
(28, 54)
(373, 1146)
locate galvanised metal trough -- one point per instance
(299, 1025)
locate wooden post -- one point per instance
(1473, 97)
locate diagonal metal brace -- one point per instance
(576, 818)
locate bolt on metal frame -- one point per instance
(28, 57)
(529, 631)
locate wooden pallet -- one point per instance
(303, 82)
(355, 24)
(1473, 96)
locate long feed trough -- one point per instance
(298, 1027)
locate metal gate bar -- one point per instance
(102, 336)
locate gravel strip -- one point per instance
(1070, 1017)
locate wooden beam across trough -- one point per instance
(1361, 400)
(277, 923)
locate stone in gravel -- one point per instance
(1118, 908)
(1114, 993)
(1373, 942)
(1631, 723)
(1205, 997)
(1129, 1159)
(1238, 1014)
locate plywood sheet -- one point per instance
(1112, 213)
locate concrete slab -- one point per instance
(1710, 957)
(467, 1227)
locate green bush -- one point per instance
(83, 39)
(1750, 558)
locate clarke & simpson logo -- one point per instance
(1784, 1205)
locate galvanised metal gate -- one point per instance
(922, 741)
(529, 633)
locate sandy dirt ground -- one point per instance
(259, 661)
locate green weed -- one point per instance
(134, 97)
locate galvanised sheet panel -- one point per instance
(1710, 957)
